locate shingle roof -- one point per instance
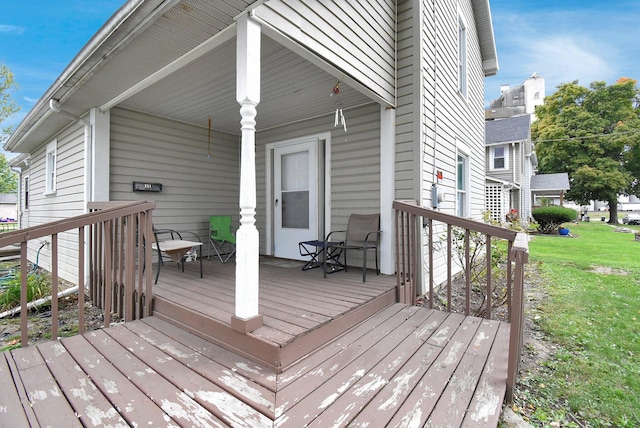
(516, 128)
(8, 198)
(550, 182)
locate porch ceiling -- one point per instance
(144, 37)
(292, 89)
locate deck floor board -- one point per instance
(396, 365)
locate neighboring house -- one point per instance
(521, 99)
(551, 187)
(511, 163)
(8, 206)
(330, 107)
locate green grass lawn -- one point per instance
(593, 316)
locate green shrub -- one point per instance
(549, 218)
(37, 286)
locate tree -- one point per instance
(592, 134)
(7, 104)
(8, 178)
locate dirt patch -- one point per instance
(39, 322)
(606, 270)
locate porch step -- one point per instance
(266, 345)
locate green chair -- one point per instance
(221, 239)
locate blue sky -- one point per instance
(562, 41)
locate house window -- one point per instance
(50, 168)
(26, 192)
(499, 158)
(462, 57)
(462, 186)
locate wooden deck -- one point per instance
(301, 310)
(400, 366)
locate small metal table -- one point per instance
(329, 261)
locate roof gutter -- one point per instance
(133, 17)
(482, 12)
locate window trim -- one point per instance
(492, 165)
(464, 210)
(51, 166)
(25, 192)
(463, 69)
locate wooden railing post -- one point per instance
(519, 255)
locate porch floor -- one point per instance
(400, 366)
(301, 310)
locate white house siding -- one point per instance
(356, 37)
(355, 164)
(194, 186)
(408, 157)
(447, 121)
(67, 201)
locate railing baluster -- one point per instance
(449, 269)
(54, 286)
(509, 279)
(489, 289)
(148, 236)
(24, 273)
(81, 284)
(431, 278)
(129, 282)
(467, 271)
(108, 271)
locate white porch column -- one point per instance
(101, 146)
(246, 316)
(387, 189)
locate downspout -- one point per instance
(20, 204)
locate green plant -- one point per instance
(37, 286)
(549, 218)
(591, 315)
(478, 266)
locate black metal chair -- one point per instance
(362, 234)
(176, 248)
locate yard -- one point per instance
(586, 330)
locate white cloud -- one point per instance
(563, 58)
(11, 29)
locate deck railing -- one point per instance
(115, 259)
(448, 234)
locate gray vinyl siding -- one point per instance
(194, 186)
(355, 164)
(514, 171)
(67, 201)
(356, 37)
(407, 109)
(436, 122)
(459, 120)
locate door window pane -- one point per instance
(295, 190)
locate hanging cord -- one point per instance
(209, 140)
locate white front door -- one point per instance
(295, 197)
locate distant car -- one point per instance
(631, 219)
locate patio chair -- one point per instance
(221, 239)
(362, 234)
(172, 246)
